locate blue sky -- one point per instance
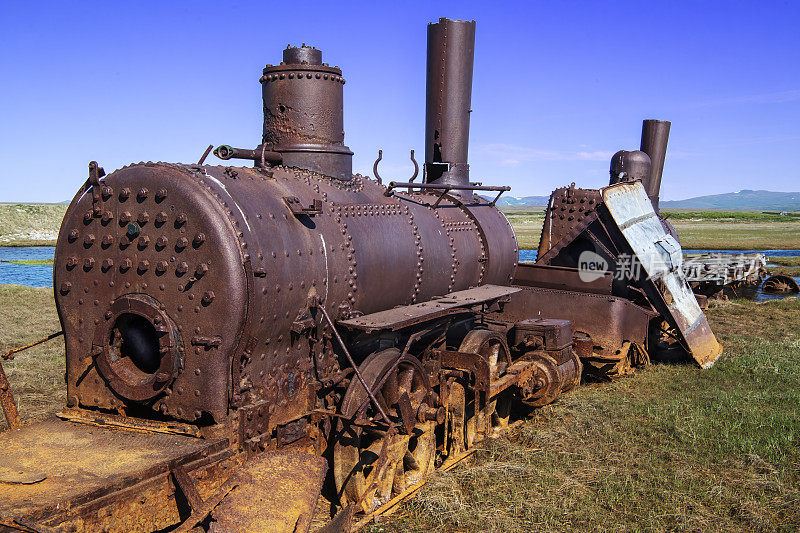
(558, 87)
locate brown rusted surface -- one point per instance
(370, 465)
(568, 208)
(102, 419)
(409, 315)
(7, 401)
(277, 491)
(607, 320)
(451, 48)
(559, 277)
(780, 284)
(68, 465)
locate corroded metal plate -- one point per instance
(401, 317)
(276, 491)
(49, 467)
(661, 258)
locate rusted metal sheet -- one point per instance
(661, 258)
(394, 319)
(781, 284)
(276, 491)
(608, 320)
(7, 401)
(111, 420)
(52, 469)
(568, 207)
(563, 278)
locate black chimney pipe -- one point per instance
(655, 134)
(451, 51)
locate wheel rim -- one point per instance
(359, 472)
(493, 348)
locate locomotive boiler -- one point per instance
(250, 347)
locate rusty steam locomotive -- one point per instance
(241, 339)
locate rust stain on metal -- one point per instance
(7, 401)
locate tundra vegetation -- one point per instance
(673, 447)
(705, 230)
(30, 224)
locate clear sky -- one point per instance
(558, 87)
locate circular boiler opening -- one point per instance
(134, 348)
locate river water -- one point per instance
(30, 275)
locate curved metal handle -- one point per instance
(375, 166)
(416, 167)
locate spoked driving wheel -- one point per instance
(372, 463)
(493, 348)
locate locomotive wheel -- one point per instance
(455, 430)
(502, 409)
(545, 387)
(575, 383)
(360, 473)
(493, 348)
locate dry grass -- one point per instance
(30, 224)
(673, 448)
(705, 231)
(36, 375)
(527, 223)
(787, 266)
(723, 235)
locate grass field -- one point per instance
(36, 375)
(672, 448)
(30, 224)
(527, 223)
(722, 230)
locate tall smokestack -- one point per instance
(451, 51)
(655, 134)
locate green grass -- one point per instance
(787, 266)
(30, 224)
(32, 262)
(715, 230)
(36, 375)
(724, 235)
(730, 216)
(672, 448)
(527, 223)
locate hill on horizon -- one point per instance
(525, 200)
(744, 200)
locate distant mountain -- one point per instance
(740, 200)
(745, 200)
(525, 200)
